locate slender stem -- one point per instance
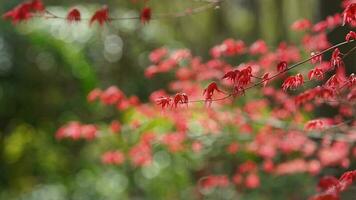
(190, 11)
(219, 99)
(187, 12)
(349, 52)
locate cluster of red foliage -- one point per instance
(246, 174)
(331, 187)
(141, 153)
(285, 142)
(268, 144)
(113, 96)
(318, 124)
(113, 158)
(215, 181)
(293, 82)
(24, 11)
(229, 47)
(241, 77)
(76, 130)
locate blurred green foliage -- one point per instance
(47, 67)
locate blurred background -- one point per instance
(47, 67)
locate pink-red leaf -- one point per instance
(73, 15)
(101, 16)
(145, 15)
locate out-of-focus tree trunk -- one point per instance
(253, 6)
(274, 22)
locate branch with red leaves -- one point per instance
(331, 187)
(35, 8)
(243, 78)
